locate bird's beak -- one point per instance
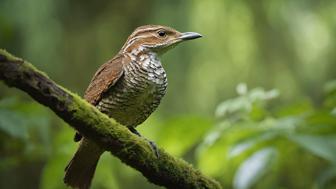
(189, 35)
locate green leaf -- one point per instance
(322, 146)
(64, 148)
(251, 101)
(234, 106)
(333, 112)
(330, 87)
(326, 177)
(13, 124)
(178, 135)
(250, 142)
(296, 108)
(253, 168)
(259, 94)
(105, 173)
(53, 172)
(28, 122)
(226, 143)
(8, 102)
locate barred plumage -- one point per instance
(138, 93)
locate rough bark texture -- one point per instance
(134, 151)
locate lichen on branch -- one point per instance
(134, 151)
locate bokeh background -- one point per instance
(252, 103)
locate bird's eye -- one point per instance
(162, 33)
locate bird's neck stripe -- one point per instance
(131, 42)
(139, 31)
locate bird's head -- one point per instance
(156, 38)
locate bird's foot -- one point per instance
(151, 143)
(154, 148)
(134, 131)
(77, 137)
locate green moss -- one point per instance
(9, 56)
(28, 65)
(100, 122)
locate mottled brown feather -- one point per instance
(106, 76)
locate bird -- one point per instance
(128, 88)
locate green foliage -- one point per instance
(24, 141)
(53, 171)
(23, 129)
(322, 146)
(179, 135)
(63, 149)
(253, 168)
(256, 145)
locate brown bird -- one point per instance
(128, 88)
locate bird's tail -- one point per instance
(80, 170)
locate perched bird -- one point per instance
(128, 88)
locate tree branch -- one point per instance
(132, 150)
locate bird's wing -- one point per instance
(106, 76)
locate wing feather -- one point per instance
(106, 76)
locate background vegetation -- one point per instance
(251, 104)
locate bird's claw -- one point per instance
(151, 143)
(154, 148)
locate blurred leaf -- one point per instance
(249, 142)
(24, 115)
(233, 107)
(105, 176)
(14, 124)
(208, 158)
(322, 117)
(225, 143)
(322, 146)
(241, 89)
(326, 176)
(259, 94)
(27, 121)
(249, 103)
(258, 113)
(295, 108)
(330, 91)
(253, 168)
(333, 112)
(321, 122)
(288, 124)
(330, 87)
(178, 135)
(215, 133)
(241, 147)
(53, 171)
(8, 102)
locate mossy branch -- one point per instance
(134, 151)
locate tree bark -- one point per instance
(134, 151)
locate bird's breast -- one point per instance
(138, 93)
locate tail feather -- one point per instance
(80, 170)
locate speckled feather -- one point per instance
(138, 92)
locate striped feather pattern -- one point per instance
(138, 93)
